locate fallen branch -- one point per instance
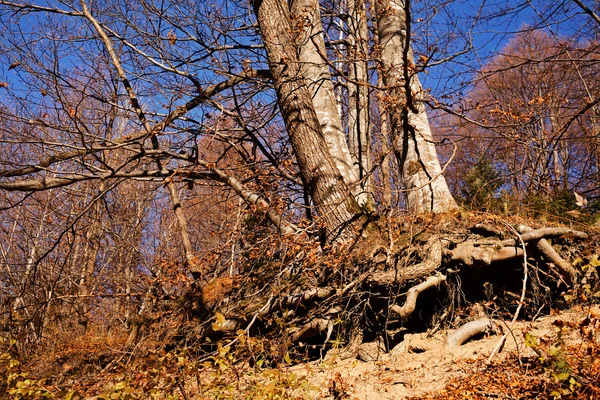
(102, 295)
(411, 298)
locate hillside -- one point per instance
(337, 323)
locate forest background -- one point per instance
(171, 170)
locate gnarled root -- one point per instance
(429, 265)
(471, 254)
(474, 253)
(411, 298)
(468, 330)
(545, 248)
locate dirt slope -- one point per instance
(422, 364)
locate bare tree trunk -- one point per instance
(332, 197)
(188, 250)
(315, 70)
(385, 162)
(426, 188)
(90, 254)
(384, 130)
(20, 300)
(359, 135)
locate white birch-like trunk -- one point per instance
(315, 70)
(426, 188)
(359, 135)
(331, 195)
(384, 130)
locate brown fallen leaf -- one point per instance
(574, 213)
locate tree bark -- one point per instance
(359, 135)
(332, 197)
(426, 188)
(306, 17)
(384, 131)
(93, 237)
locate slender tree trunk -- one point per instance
(384, 130)
(90, 254)
(190, 257)
(20, 300)
(332, 197)
(359, 135)
(426, 188)
(188, 250)
(306, 16)
(386, 182)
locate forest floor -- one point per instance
(555, 356)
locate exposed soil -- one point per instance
(422, 365)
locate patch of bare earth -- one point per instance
(424, 366)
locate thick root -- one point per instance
(468, 330)
(411, 298)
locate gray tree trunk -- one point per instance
(384, 130)
(426, 187)
(315, 70)
(335, 204)
(359, 135)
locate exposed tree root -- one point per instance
(411, 298)
(471, 254)
(311, 329)
(546, 233)
(486, 230)
(357, 297)
(430, 264)
(469, 330)
(546, 249)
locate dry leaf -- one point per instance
(172, 38)
(580, 200)
(574, 213)
(14, 65)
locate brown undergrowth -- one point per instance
(292, 302)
